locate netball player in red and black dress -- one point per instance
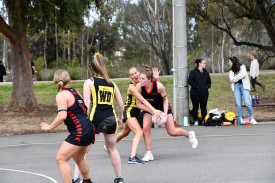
(71, 110)
(154, 92)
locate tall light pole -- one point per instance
(180, 62)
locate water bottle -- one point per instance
(235, 121)
(239, 120)
(257, 99)
(253, 100)
(185, 121)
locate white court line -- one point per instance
(198, 136)
(17, 145)
(20, 171)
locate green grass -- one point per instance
(220, 94)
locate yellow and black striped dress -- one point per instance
(130, 107)
(102, 112)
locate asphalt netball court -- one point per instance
(224, 154)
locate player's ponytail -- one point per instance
(61, 78)
(98, 66)
(148, 72)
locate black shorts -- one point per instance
(108, 125)
(83, 138)
(168, 112)
(133, 112)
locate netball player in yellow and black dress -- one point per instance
(99, 94)
(131, 112)
(73, 112)
(154, 92)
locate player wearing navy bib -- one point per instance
(78, 124)
(154, 92)
(99, 95)
(73, 112)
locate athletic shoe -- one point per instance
(135, 160)
(87, 181)
(105, 148)
(193, 140)
(253, 121)
(77, 180)
(118, 180)
(148, 157)
(253, 90)
(196, 123)
(242, 122)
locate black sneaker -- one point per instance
(76, 180)
(118, 180)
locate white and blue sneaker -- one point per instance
(135, 160)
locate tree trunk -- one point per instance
(23, 98)
(45, 50)
(69, 48)
(212, 51)
(82, 51)
(64, 45)
(219, 54)
(74, 50)
(5, 52)
(222, 50)
(56, 42)
(163, 61)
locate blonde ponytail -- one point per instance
(98, 66)
(61, 78)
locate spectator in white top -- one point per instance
(254, 73)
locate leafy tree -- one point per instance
(240, 19)
(150, 22)
(27, 14)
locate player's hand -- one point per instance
(119, 121)
(157, 112)
(44, 127)
(156, 72)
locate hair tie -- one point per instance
(97, 53)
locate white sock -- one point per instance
(148, 152)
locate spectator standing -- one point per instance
(200, 81)
(33, 69)
(254, 73)
(241, 87)
(3, 71)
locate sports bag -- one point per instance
(213, 120)
(228, 117)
